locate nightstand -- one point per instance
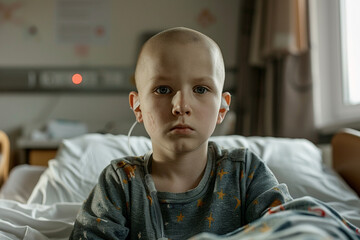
(36, 152)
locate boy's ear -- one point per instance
(224, 108)
(135, 105)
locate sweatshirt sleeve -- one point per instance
(262, 188)
(103, 215)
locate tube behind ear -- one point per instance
(136, 105)
(224, 104)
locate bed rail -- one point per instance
(4, 157)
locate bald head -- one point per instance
(180, 36)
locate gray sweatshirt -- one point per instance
(236, 189)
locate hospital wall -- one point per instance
(128, 22)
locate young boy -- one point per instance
(186, 185)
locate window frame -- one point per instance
(331, 111)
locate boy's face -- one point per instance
(179, 89)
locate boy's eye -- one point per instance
(200, 90)
(162, 90)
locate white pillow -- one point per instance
(75, 170)
(78, 164)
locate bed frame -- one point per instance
(346, 156)
(5, 157)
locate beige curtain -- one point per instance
(274, 92)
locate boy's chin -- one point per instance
(186, 145)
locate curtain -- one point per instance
(274, 87)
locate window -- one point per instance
(335, 59)
(350, 33)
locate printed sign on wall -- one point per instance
(82, 22)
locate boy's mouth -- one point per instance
(181, 128)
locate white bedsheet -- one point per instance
(55, 200)
(35, 221)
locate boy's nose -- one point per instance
(180, 104)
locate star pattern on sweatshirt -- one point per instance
(150, 199)
(210, 219)
(200, 203)
(222, 173)
(238, 203)
(221, 195)
(128, 169)
(180, 217)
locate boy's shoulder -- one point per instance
(233, 154)
(137, 161)
(128, 165)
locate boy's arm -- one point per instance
(262, 188)
(103, 214)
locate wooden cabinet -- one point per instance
(37, 152)
(40, 156)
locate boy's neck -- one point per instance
(178, 172)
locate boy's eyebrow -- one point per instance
(167, 80)
(159, 78)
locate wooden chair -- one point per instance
(346, 156)
(4, 157)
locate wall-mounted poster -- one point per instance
(82, 22)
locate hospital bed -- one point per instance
(42, 202)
